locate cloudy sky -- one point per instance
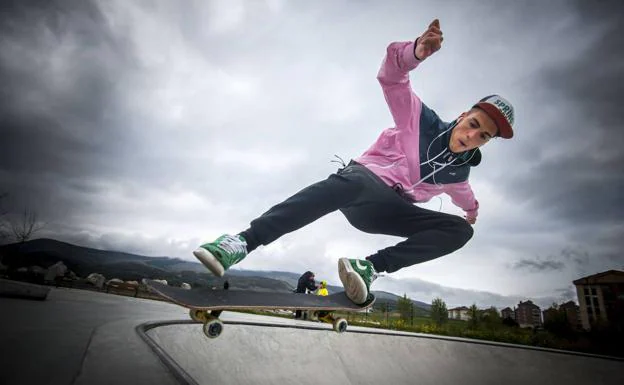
(151, 127)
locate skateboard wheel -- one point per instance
(213, 328)
(197, 315)
(340, 325)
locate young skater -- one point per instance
(418, 158)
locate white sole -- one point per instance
(209, 260)
(354, 285)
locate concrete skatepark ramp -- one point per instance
(262, 354)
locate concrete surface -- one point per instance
(82, 337)
(79, 337)
(246, 354)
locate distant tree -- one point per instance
(439, 312)
(24, 227)
(475, 316)
(556, 321)
(404, 306)
(20, 228)
(491, 317)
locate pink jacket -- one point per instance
(395, 156)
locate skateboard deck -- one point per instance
(207, 304)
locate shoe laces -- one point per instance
(233, 245)
(374, 274)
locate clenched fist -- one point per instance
(429, 42)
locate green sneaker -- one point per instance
(356, 275)
(219, 255)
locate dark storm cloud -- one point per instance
(584, 181)
(537, 265)
(567, 293)
(59, 68)
(594, 82)
(578, 261)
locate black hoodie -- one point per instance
(306, 283)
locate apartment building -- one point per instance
(508, 313)
(601, 298)
(573, 314)
(571, 311)
(459, 313)
(528, 315)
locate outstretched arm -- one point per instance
(401, 58)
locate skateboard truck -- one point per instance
(213, 326)
(338, 324)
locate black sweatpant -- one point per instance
(371, 206)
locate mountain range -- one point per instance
(83, 261)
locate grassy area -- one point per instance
(594, 343)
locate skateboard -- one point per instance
(205, 305)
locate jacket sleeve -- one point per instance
(393, 76)
(462, 196)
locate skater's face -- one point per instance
(474, 129)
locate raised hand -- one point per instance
(430, 41)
